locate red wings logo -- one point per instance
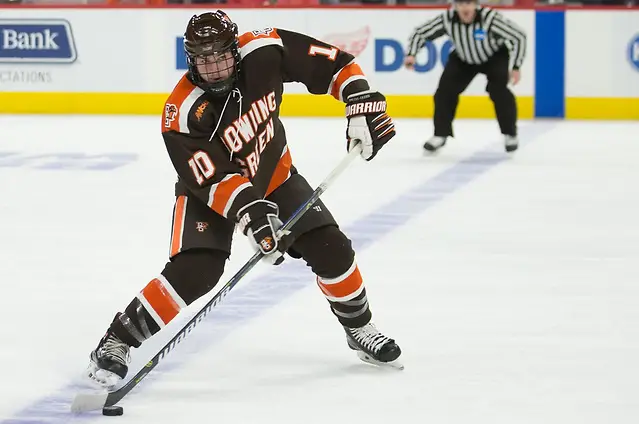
(170, 112)
(352, 42)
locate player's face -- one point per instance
(466, 10)
(215, 67)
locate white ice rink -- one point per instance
(511, 283)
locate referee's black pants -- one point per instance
(455, 79)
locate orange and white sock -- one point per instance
(161, 301)
(347, 296)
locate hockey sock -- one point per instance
(154, 307)
(186, 278)
(347, 297)
(330, 254)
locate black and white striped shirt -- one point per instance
(476, 42)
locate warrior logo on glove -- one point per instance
(365, 107)
(368, 123)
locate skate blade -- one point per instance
(84, 402)
(93, 390)
(368, 359)
(101, 379)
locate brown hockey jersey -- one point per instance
(233, 150)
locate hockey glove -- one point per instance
(368, 122)
(259, 221)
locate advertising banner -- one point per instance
(75, 60)
(380, 43)
(140, 51)
(602, 54)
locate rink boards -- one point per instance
(580, 63)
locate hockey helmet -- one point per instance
(212, 52)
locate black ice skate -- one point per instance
(434, 143)
(511, 143)
(109, 361)
(373, 347)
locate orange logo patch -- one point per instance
(267, 244)
(170, 113)
(200, 110)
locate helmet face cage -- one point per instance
(212, 52)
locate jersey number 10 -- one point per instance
(202, 166)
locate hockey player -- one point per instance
(223, 134)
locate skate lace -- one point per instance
(370, 337)
(115, 349)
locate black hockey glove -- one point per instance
(259, 221)
(368, 122)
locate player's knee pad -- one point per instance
(326, 250)
(195, 272)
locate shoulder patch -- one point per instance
(253, 40)
(177, 107)
(247, 37)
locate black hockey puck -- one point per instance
(112, 411)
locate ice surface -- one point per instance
(510, 282)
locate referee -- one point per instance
(484, 42)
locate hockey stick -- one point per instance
(84, 402)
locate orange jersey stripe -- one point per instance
(171, 115)
(344, 288)
(223, 194)
(281, 173)
(247, 37)
(161, 301)
(178, 225)
(348, 71)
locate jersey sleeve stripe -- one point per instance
(266, 33)
(185, 108)
(253, 45)
(282, 172)
(347, 82)
(233, 196)
(222, 194)
(344, 76)
(178, 105)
